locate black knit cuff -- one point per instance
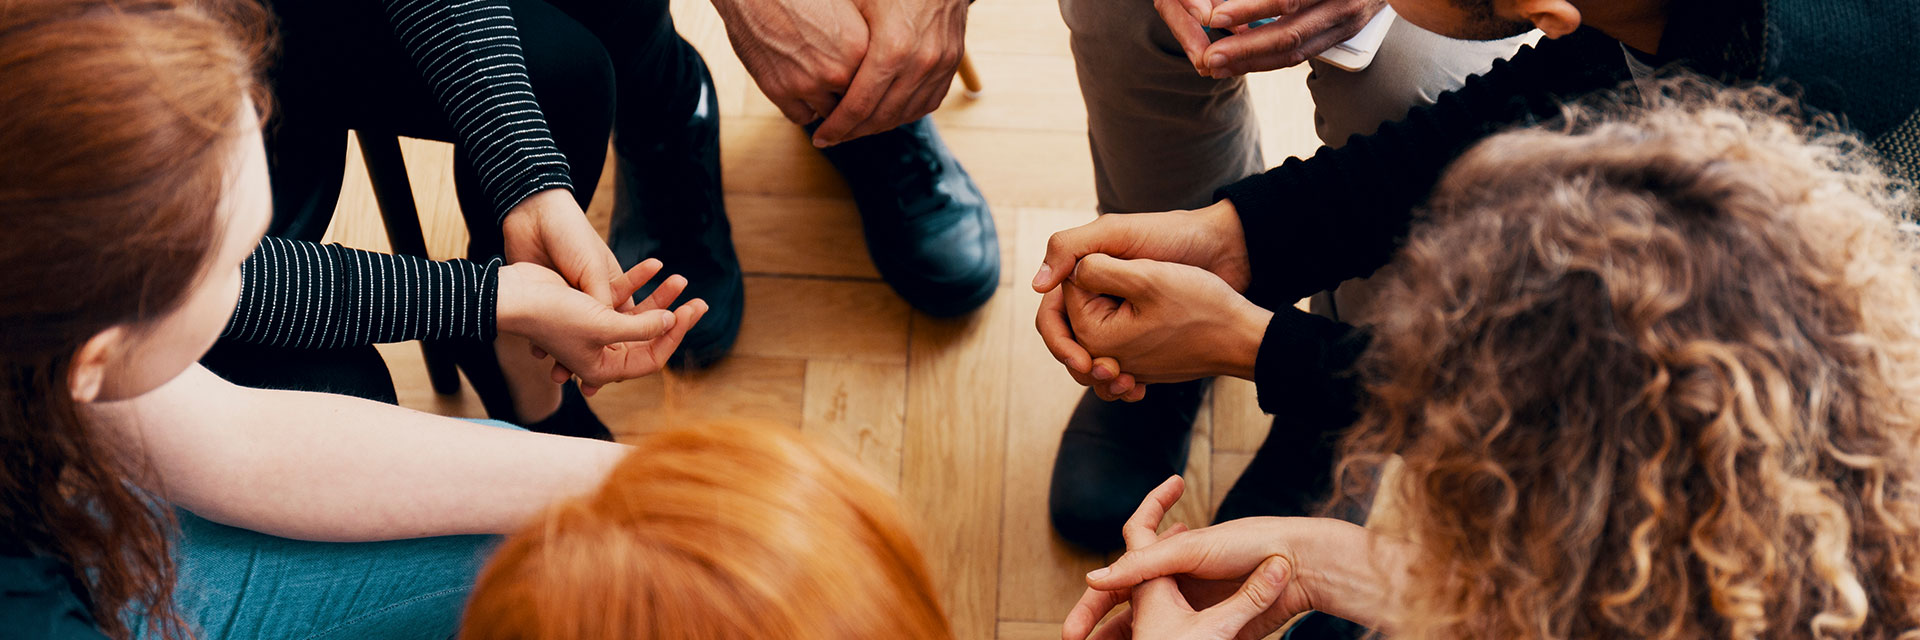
(1306, 363)
(1257, 201)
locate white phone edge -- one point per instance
(1357, 52)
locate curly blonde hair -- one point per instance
(1655, 373)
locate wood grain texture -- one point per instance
(953, 456)
(963, 416)
(860, 408)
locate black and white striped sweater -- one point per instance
(306, 295)
(469, 52)
(311, 296)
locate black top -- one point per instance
(1311, 224)
(39, 600)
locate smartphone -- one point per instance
(1357, 52)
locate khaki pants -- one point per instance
(1165, 138)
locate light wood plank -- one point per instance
(789, 235)
(1227, 468)
(823, 319)
(1030, 630)
(1040, 575)
(738, 388)
(1046, 169)
(1239, 424)
(860, 408)
(953, 456)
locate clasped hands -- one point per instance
(1141, 298)
(1300, 29)
(857, 67)
(564, 292)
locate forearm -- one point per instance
(333, 468)
(1312, 223)
(471, 58)
(307, 295)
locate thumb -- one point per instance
(1106, 275)
(1261, 590)
(612, 327)
(1065, 248)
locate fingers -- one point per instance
(1261, 590)
(1051, 322)
(1119, 628)
(1286, 42)
(1087, 612)
(1108, 234)
(685, 317)
(617, 327)
(1102, 274)
(1238, 12)
(629, 283)
(663, 296)
(869, 88)
(1143, 528)
(1187, 30)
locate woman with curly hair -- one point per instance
(1653, 373)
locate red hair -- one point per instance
(715, 533)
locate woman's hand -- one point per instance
(585, 336)
(549, 229)
(1310, 564)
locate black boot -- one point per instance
(669, 205)
(1113, 454)
(928, 228)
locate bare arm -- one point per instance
(333, 468)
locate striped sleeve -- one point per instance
(311, 296)
(469, 52)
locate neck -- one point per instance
(1635, 23)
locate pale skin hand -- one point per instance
(1247, 606)
(913, 51)
(549, 229)
(1209, 238)
(804, 54)
(1317, 564)
(1302, 29)
(590, 339)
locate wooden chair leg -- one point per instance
(970, 78)
(387, 170)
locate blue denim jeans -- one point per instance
(236, 584)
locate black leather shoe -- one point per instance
(669, 205)
(928, 228)
(1113, 454)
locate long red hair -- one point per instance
(116, 118)
(719, 532)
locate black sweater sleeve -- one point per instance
(469, 51)
(1341, 214)
(1305, 367)
(312, 296)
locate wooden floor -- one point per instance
(962, 415)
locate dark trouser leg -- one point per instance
(342, 69)
(1112, 454)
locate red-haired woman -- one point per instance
(140, 495)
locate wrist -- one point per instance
(1241, 354)
(1222, 223)
(1350, 572)
(512, 310)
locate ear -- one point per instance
(91, 363)
(1555, 18)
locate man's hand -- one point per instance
(549, 229)
(588, 338)
(912, 52)
(1209, 238)
(1163, 322)
(802, 53)
(1301, 30)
